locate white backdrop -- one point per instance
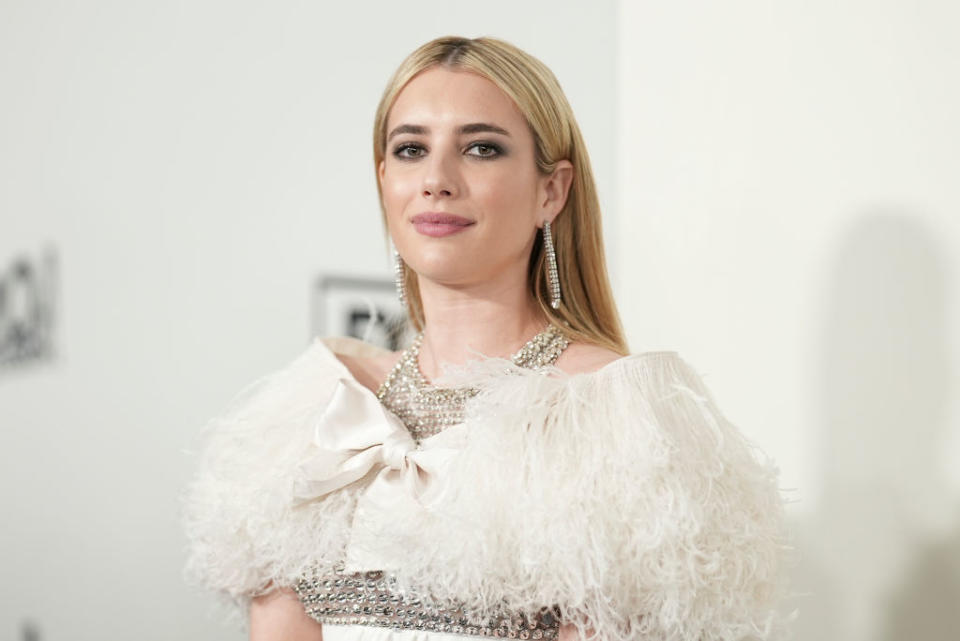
(196, 165)
(779, 183)
(789, 221)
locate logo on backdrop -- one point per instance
(27, 309)
(364, 308)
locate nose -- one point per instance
(440, 178)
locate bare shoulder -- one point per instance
(580, 358)
(370, 371)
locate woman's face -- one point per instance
(460, 185)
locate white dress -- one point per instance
(623, 498)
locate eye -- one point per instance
(484, 150)
(409, 151)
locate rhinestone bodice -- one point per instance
(426, 409)
(371, 598)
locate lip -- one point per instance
(439, 223)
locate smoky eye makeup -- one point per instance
(485, 149)
(477, 149)
(408, 150)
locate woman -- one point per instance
(567, 491)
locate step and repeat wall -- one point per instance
(187, 198)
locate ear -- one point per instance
(381, 167)
(554, 190)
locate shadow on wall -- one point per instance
(880, 557)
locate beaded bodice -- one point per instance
(371, 598)
(426, 409)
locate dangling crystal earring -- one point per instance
(398, 278)
(553, 278)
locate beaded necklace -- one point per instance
(427, 409)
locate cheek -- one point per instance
(510, 195)
(396, 191)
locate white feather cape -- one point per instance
(622, 495)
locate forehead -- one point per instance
(439, 96)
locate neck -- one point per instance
(495, 322)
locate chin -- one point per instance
(449, 272)
(439, 258)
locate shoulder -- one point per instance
(368, 364)
(370, 371)
(582, 358)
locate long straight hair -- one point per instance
(588, 312)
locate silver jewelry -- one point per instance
(427, 409)
(553, 277)
(398, 278)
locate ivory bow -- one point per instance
(355, 435)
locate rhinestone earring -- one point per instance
(398, 278)
(553, 277)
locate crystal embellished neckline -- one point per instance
(426, 409)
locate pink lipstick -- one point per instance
(439, 224)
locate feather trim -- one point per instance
(623, 496)
(246, 533)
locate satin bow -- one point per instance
(355, 435)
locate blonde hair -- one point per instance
(588, 312)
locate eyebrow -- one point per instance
(472, 128)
